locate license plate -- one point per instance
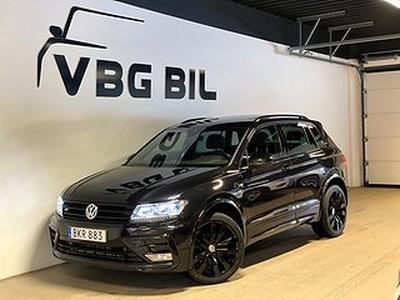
(87, 234)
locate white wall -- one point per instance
(49, 139)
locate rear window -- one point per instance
(319, 139)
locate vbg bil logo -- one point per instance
(111, 79)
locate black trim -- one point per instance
(381, 69)
(363, 130)
(377, 185)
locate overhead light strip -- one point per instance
(352, 26)
(394, 2)
(334, 14)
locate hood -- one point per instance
(127, 184)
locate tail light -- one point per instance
(343, 160)
(343, 166)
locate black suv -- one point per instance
(199, 192)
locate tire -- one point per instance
(333, 213)
(217, 250)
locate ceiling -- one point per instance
(385, 17)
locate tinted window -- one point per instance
(265, 144)
(318, 137)
(191, 146)
(296, 139)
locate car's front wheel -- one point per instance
(217, 250)
(333, 213)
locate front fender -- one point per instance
(225, 204)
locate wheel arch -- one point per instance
(225, 204)
(326, 226)
(335, 179)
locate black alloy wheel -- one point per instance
(217, 251)
(333, 213)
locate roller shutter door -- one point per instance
(382, 128)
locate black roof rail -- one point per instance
(199, 120)
(193, 119)
(282, 116)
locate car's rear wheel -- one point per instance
(333, 213)
(217, 250)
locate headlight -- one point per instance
(60, 204)
(158, 211)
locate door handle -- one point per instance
(282, 184)
(286, 167)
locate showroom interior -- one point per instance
(86, 83)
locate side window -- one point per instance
(318, 137)
(296, 139)
(265, 145)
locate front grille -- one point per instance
(107, 213)
(121, 254)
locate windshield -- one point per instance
(193, 146)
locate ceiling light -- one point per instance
(394, 2)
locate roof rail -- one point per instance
(285, 116)
(193, 120)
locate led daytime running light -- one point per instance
(158, 211)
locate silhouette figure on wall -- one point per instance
(59, 35)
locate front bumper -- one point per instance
(127, 245)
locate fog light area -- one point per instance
(158, 257)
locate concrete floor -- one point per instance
(362, 264)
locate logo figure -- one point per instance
(91, 211)
(59, 35)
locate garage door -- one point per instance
(383, 128)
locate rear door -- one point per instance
(306, 170)
(268, 193)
